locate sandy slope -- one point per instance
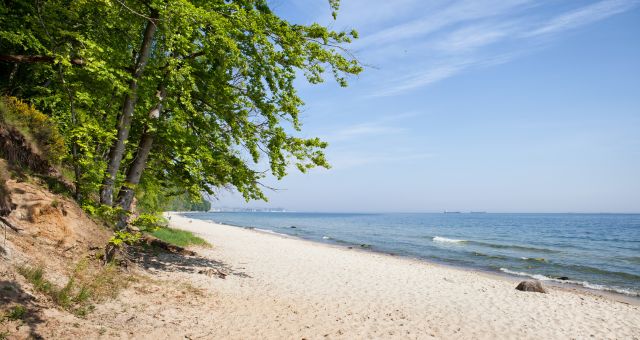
(288, 288)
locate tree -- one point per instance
(207, 89)
(70, 59)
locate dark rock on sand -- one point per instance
(563, 278)
(531, 286)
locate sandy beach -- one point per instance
(286, 288)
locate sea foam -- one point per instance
(447, 240)
(579, 283)
(269, 231)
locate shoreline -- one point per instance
(565, 286)
(291, 287)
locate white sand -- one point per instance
(299, 289)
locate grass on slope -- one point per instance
(180, 238)
(90, 282)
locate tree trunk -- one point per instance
(125, 196)
(124, 122)
(74, 147)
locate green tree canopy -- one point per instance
(176, 94)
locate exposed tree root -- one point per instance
(8, 224)
(158, 243)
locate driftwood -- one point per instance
(158, 243)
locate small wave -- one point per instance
(493, 245)
(326, 237)
(633, 259)
(579, 283)
(501, 257)
(592, 270)
(533, 276)
(269, 231)
(534, 259)
(513, 246)
(447, 240)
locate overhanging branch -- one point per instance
(32, 59)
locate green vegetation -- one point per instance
(165, 100)
(88, 284)
(180, 238)
(151, 202)
(149, 222)
(154, 105)
(16, 312)
(186, 203)
(36, 277)
(36, 127)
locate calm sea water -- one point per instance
(597, 251)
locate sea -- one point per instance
(594, 251)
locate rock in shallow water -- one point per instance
(531, 286)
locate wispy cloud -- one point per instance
(438, 19)
(466, 35)
(373, 128)
(350, 161)
(420, 79)
(470, 38)
(584, 16)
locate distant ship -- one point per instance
(452, 212)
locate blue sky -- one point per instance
(500, 106)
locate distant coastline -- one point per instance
(231, 209)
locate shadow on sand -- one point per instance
(172, 262)
(11, 296)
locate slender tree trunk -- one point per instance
(124, 122)
(74, 147)
(134, 173)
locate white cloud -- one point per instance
(421, 78)
(467, 35)
(435, 20)
(378, 127)
(583, 16)
(470, 38)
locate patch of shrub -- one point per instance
(149, 222)
(16, 313)
(180, 238)
(35, 126)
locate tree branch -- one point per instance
(32, 59)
